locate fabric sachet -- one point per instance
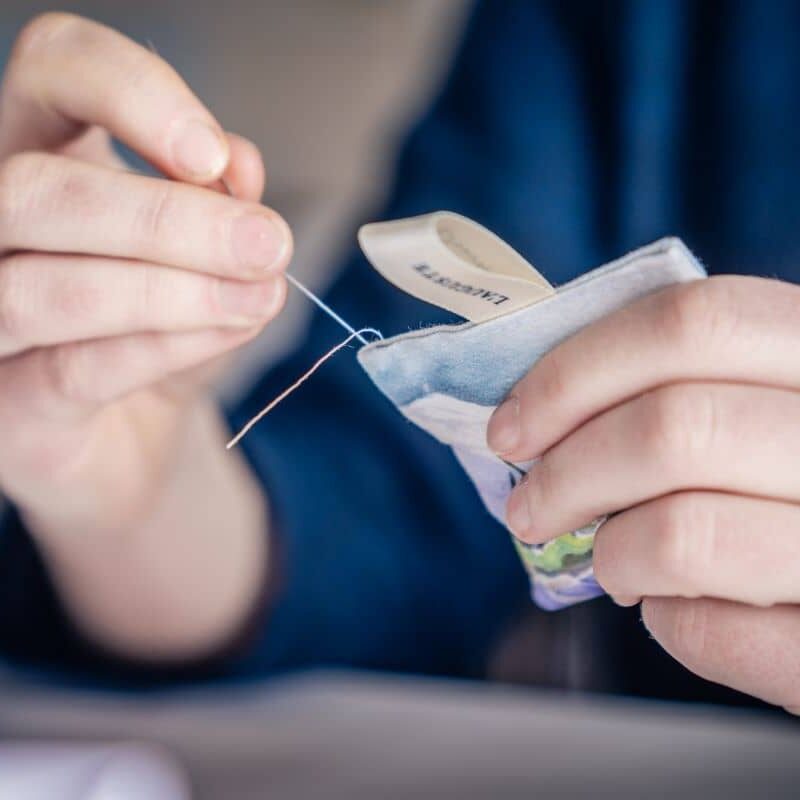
(448, 379)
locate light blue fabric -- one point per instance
(447, 380)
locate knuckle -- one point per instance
(690, 630)
(74, 188)
(157, 212)
(71, 299)
(541, 484)
(139, 73)
(685, 546)
(679, 312)
(682, 626)
(146, 68)
(699, 314)
(13, 307)
(604, 557)
(678, 424)
(39, 33)
(662, 425)
(66, 375)
(551, 381)
(210, 292)
(19, 175)
(151, 294)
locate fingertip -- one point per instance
(504, 430)
(524, 511)
(199, 151)
(245, 173)
(262, 241)
(288, 239)
(626, 601)
(279, 291)
(518, 515)
(277, 301)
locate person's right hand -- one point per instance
(116, 289)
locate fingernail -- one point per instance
(199, 150)
(518, 515)
(246, 302)
(503, 432)
(258, 241)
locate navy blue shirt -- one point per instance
(576, 131)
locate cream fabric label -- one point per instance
(454, 263)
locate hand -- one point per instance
(115, 289)
(682, 413)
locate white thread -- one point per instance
(328, 310)
(301, 380)
(353, 334)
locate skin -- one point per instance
(679, 412)
(119, 294)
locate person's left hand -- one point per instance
(682, 413)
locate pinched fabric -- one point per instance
(448, 380)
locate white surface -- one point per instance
(367, 737)
(89, 772)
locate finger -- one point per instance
(688, 436)
(56, 299)
(754, 650)
(724, 328)
(72, 381)
(695, 544)
(245, 175)
(66, 72)
(57, 204)
(245, 170)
